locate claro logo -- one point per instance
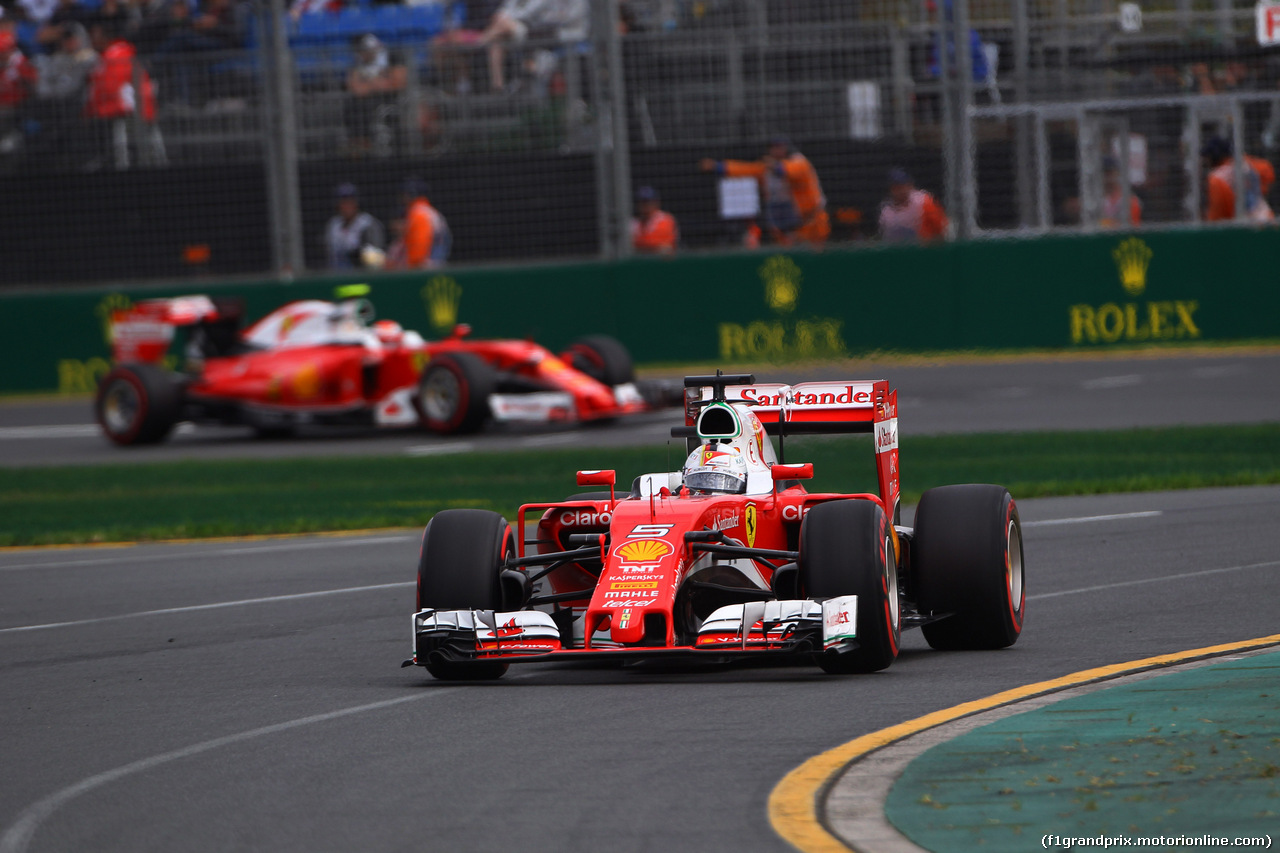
(794, 513)
(585, 518)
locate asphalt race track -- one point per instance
(1205, 388)
(247, 696)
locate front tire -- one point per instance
(967, 557)
(138, 404)
(846, 549)
(602, 358)
(453, 393)
(462, 555)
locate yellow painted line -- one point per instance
(793, 803)
(212, 540)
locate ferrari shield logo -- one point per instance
(750, 525)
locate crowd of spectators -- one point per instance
(81, 76)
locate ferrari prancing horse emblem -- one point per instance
(751, 525)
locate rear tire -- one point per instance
(453, 393)
(967, 558)
(138, 404)
(846, 549)
(462, 555)
(602, 358)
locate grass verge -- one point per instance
(225, 498)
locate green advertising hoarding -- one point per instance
(1078, 292)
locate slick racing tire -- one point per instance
(602, 358)
(846, 549)
(462, 555)
(967, 561)
(453, 393)
(138, 404)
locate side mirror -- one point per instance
(803, 471)
(461, 330)
(599, 478)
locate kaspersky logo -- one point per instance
(441, 295)
(781, 279)
(1132, 258)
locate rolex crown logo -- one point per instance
(442, 294)
(1132, 258)
(108, 306)
(781, 283)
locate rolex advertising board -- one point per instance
(1147, 288)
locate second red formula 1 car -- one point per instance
(318, 362)
(729, 556)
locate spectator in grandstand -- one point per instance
(374, 85)
(36, 11)
(795, 209)
(311, 7)
(451, 50)
(427, 239)
(114, 91)
(60, 95)
(653, 231)
(49, 36)
(353, 238)
(1113, 197)
(17, 81)
(566, 21)
(1257, 178)
(190, 46)
(910, 215)
(977, 54)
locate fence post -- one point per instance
(621, 135)
(965, 148)
(601, 112)
(280, 121)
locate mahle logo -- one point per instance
(781, 279)
(1132, 258)
(442, 295)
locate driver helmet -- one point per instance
(716, 468)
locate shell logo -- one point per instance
(643, 551)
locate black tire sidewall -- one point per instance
(843, 552)
(603, 358)
(159, 402)
(960, 556)
(475, 383)
(461, 556)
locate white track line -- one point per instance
(1085, 519)
(439, 449)
(1118, 584)
(270, 599)
(218, 552)
(18, 836)
(50, 431)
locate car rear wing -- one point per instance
(806, 408)
(143, 331)
(809, 408)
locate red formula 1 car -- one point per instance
(329, 363)
(729, 556)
